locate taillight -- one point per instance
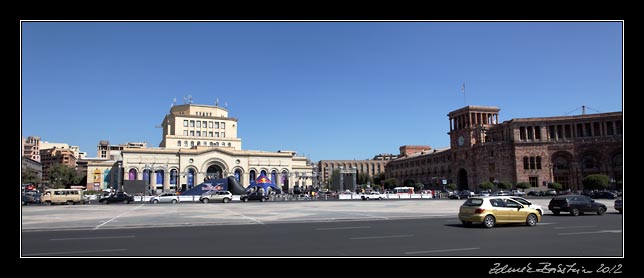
(479, 210)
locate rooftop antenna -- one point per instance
(583, 109)
(187, 99)
(174, 102)
(226, 104)
(217, 102)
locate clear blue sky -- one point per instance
(328, 90)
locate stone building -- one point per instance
(199, 142)
(540, 150)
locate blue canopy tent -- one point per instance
(264, 183)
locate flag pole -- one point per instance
(463, 90)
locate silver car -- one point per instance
(216, 196)
(166, 197)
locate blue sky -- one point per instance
(328, 90)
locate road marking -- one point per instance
(242, 215)
(72, 252)
(444, 250)
(547, 223)
(595, 232)
(573, 227)
(81, 238)
(379, 237)
(367, 215)
(108, 221)
(343, 228)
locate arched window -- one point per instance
(238, 176)
(179, 143)
(228, 144)
(263, 172)
(252, 175)
(273, 176)
(198, 143)
(185, 143)
(132, 174)
(173, 177)
(191, 178)
(192, 143)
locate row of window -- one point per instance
(192, 144)
(203, 134)
(419, 162)
(533, 162)
(216, 125)
(580, 130)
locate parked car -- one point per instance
(257, 195)
(576, 205)
(166, 197)
(496, 210)
(118, 197)
(31, 197)
(550, 192)
(618, 205)
(603, 195)
(216, 196)
(373, 195)
(463, 194)
(527, 203)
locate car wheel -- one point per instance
(70, 203)
(126, 201)
(226, 200)
(575, 212)
(555, 212)
(261, 200)
(531, 220)
(466, 223)
(48, 203)
(601, 211)
(155, 201)
(489, 221)
(205, 200)
(620, 211)
(245, 200)
(24, 203)
(174, 201)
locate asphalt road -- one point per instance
(427, 236)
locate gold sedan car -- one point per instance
(496, 210)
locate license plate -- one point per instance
(555, 207)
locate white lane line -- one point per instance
(75, 252)
(108, 221)
(82, 238)
(547, 223)
(595, 232)
(380, 237)
(444, 250)
(242, 215)
(367, 215)
(343, 228)
(573, 227)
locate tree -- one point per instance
(379, 179)
(555, 185)
(60, 176)
(364, 178)
(376, 187)
(418, 186)
(452, 186)
(486, 185)
(334, 176)
(391, 183)
(409, 183)
(523, 185)
(504, 185)
(595, 181)
(29, 177)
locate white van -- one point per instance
(63, 196)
